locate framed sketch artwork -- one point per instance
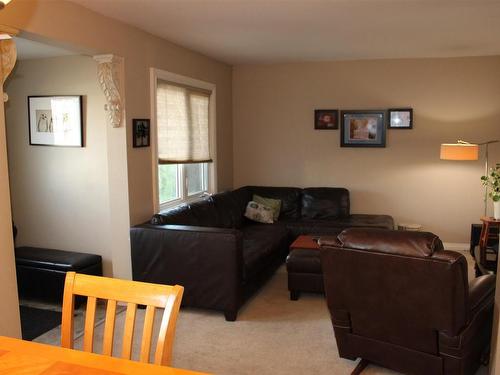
(55, 120)
(362, 129)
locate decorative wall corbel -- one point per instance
(110, 76)
(8, 55)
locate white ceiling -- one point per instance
(270, 31)
(29, 49)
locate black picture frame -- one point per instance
(141, 132)
(400, 118)
(43, 134)
(363, 128)
(326, 119)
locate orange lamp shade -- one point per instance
(459, 151)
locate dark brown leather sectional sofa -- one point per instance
(220, 257)
(399, 300)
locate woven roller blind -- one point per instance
(182, 118)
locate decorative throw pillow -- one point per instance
(258, 212)
(273, 204)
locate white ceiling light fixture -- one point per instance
(3, 3)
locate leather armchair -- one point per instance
(399, 300)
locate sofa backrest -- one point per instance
(222, 210)
(394, 286)
(226, 210)
(325, 203)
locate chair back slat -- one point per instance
(128, 330)
(163, 355)
(67, 322)
(147, 333)
(133, 293)
(88, 338)
(109, 328)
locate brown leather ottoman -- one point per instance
(303, 265)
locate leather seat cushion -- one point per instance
(52, 259)
(260, 243)
(304, 261)
(334, 227)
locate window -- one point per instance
(184, 139)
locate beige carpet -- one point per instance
(272, 335)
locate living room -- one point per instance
(270, 73)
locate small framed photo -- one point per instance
(326, 119)
(55, 120)
(400, 118)
(141, 132)
(362, 129)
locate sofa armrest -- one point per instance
(481, 291)
(207, 262)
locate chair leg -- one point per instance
(360, 367)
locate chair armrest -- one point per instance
(481, 291)
(477, 332)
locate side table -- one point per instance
(488, 233)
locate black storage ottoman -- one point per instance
(41, 272)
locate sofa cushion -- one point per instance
(325, 203)
(273, 204)
(260, 243)
(229, 212)
(367, 221)
(259, 213)
(204, 213)
(334, 227)
(289, 196)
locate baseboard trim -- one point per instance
(456, 246)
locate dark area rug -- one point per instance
(35, 322)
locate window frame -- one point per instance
(211, 170)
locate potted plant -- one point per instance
(492, 181)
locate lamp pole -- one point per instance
(486, 170)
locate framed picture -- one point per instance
(362, 129)
(141, 132)
(55, 120)
(326, 119)
(401, 118)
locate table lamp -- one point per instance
(467, 151)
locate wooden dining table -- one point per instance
(30, 358)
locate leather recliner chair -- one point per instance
(397, 299)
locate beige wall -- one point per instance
(275, 143)
(59, 194)
(77, 26)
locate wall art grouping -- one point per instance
(363, 128)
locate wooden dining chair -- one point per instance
(133, 293)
